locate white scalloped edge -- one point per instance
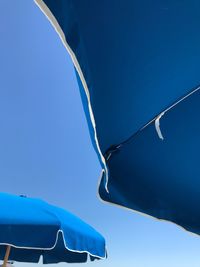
(51, 248)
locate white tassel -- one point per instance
(157, 125)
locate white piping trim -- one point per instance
(157, 125)
(51, 248)
(47, 12)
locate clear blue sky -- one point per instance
(46, 152)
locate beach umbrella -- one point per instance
(137, 64)
(30, 228)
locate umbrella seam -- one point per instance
(155, 119)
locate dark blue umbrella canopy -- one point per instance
(137, 63)
(34, 228)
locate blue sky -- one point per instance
(46, 151)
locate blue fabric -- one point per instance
(163, 175)
(138, 58)
(35, 225)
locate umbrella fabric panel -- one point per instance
(27, 222)
(137, 57)
(161, 177)
(33, 223)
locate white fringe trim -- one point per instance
(157, 125)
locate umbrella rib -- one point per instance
(155, 119)
(6, 256)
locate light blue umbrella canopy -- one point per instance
(137, 64)
(32, 227)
